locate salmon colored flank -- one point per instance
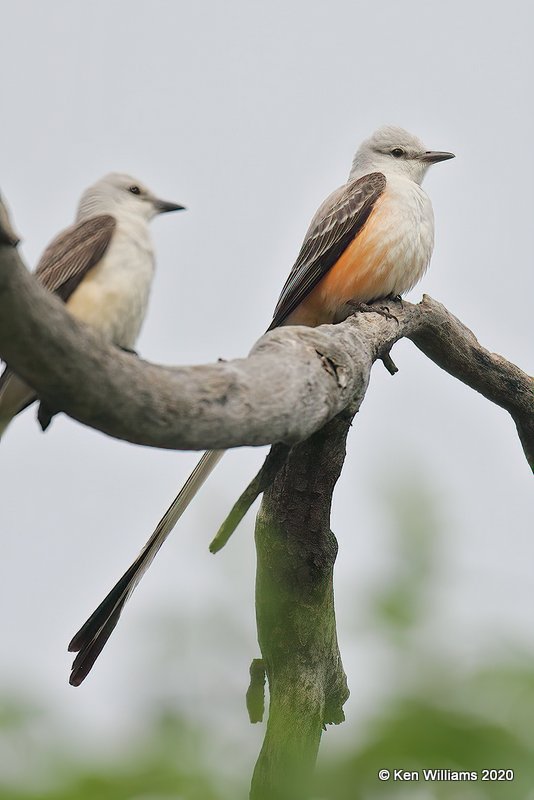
(356, 276)
(381, 261)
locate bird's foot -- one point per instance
(383, 311)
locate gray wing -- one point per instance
(72, 254)
(338, 220)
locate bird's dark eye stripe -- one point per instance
(134, 190)
(397, 152)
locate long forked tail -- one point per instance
(93, 635)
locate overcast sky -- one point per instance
(249, 113)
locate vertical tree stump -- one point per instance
(296, 551)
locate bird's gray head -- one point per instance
(394, 151)
(122, 196)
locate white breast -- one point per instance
(113, 297)
(405, 236)
(386, 258)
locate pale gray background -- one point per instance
(249, 113)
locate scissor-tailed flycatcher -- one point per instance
(102, 268)
(372, 238)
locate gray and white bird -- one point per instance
(102, 268)
(372, 238)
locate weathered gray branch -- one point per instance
(298, 387)
(293, 382)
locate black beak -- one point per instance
(163, 206)
(435, 156)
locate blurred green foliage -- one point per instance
(166, 765)
(436, 714)
(415, 733)
(441, 716)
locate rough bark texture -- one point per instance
(293, 382)
(296, 551)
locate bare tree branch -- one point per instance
(454, 348)
(292, 383)
(299, 387)
(271, 467)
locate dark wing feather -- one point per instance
(72, 254)
(68, 258)
(340, 218)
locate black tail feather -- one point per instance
(87, 656)
(89, 641)
(98, 618)
(94, 633)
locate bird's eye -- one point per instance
(134, 189)
(397, 152)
